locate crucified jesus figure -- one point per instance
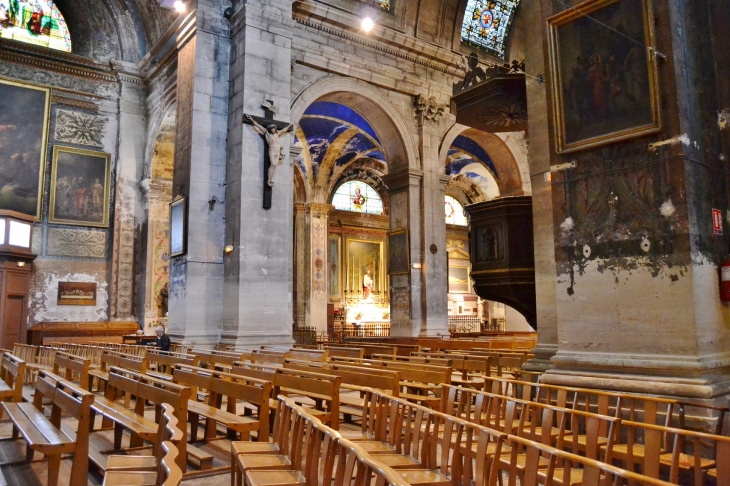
(276, 151)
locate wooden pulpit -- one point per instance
(16, 259)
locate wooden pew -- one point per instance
(145, 388)
(210, 358)
(120, 360)
(74, 366)
(345, 352)
(168, 471)
(543, 464)
(48, 436)
(167, 430)
(308, 354)
(164, 361)
(12, 372)
(234, 387)
(323, 389)
(268, 356)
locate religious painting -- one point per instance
(23, 135)
(364, 267)
(459, 276)
(604, 73)
(334, 266)
(398, 252)
(178, 227)
(80, 181)
(76, 293)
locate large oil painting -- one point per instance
(80, 187)
(334, 266)
(364, 266)
(399, 252)
(23, 135)
(604, 75)
(459, 277)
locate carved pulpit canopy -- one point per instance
(492, 99)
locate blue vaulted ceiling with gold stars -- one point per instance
(333, 136)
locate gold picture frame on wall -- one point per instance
(604, 78)
(24, 120)
(80, 187)
(334, 267)
(363, 255)
(459, 278)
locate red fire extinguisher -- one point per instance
(725, 280)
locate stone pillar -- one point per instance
(158, 194)
(196, 278)
(317, 227)
(301, 263)
(258, 282)
(406, 312)
(128, 207)
(434, 271)
(419, 293)
(539, 158)
(638, 302)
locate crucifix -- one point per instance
(272, 131)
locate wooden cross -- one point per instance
(266, 122)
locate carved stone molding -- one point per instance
(79, 128)
(153, 189)
(84, 243)
(428, 111)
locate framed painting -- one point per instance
(80, 181)
(459, 280)
(24, 114)
(76, 293)
(364, 266)
(398, 243)
(605, 86)
(178, 227)
(334, 266)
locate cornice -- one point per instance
(383, 39)
(401, 180)
(56, 61)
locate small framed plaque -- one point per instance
(178, 227)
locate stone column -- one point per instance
(258, 282)
(406, 312)
(317, 227)
(434, 271)
(539, 158)
(128, 207)
(196, 278)
(158, 194)
(301, 259)
(638, 302)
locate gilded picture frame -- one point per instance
(604, 77)
(334, 267)
(399, 261)
(363, 254)
(80, 187)
(24, 119)
(76, 293)
(178, 227)
(459, 278)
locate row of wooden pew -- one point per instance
(408, 445)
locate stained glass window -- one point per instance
(487, 23)
(34, 21)
(358, 197)
(384, 4)
(454, 212)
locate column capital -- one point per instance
(444, 180)
(401, 180)
(319, 209)
(155, 189)
(427, 111)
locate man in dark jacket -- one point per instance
(163, 340)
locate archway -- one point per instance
(158, 189)
(349, 133)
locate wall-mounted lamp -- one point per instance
(179, 6)
(228, 249)
(213, 200)
(417, 266)
(20, 264)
